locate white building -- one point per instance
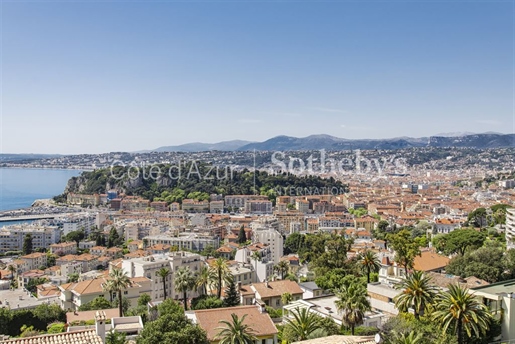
(75, 222)
(258, 207)
(263, 267)
(510, 228)
(445, 225)
(273, 239)
(326, 308)
(192, 242)
(73, 295)
(12, 237)
(149, 266)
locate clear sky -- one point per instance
(92, 77)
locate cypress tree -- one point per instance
(27, 244)
(232, 295)
(241, 235)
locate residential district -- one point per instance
(426, 257)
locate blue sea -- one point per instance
(19, 187)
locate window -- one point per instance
(125, 292)
(277, 302)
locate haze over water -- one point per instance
(19, 187)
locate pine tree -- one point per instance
(27, 244)
(232, 295)
(241, 235)
(114, 238)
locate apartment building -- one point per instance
(302, 205)
(134, 204)
(74, 295)
(216, 207)
(445, 225)
(281, 207)
(367, 222)
(159, 206)
(192, 242)
(193, 206)
(149, 266)
(12, 237)
(258, 207)
(255, 316)
(98, 251)
(83, 200)
(71, 268)
(285, 219)
(270, 293)
(262, 263)
(86, 245)
(238, 201)
(242, 273)
(75, 222)
(64, 248)
(510, 228)
(34, 261)
(273, 239)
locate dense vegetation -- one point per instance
(197, 181)
(32, 321)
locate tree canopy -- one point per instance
(459, 240)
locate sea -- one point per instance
(20, 187)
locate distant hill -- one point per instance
(474, 141)
(202, 147)
(284, 143)
(26, 157)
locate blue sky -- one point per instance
(91, 77)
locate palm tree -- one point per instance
(220, 273)
(12, 270)
(118, 281)
(352, 303)
(303, 323)
(282, 268)
(406, 338)
(417, 293)
(184, 282)
(459, 310)
(115, 337)
(235, 331)
(164, 273)
(205, 278)
(369, 262)
(255, 257)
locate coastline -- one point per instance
(22, 189)
(72, 168)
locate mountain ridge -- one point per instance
(328, 142)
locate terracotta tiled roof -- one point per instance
(429, 260)
(261, 323)
(159, 247)
(33, 255)
(443, 280)
(76, 337)
(277, 288)
(136, 254)
(224, 249)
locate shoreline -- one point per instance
(48, 168)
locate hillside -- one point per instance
(327, 142)
(190, 184)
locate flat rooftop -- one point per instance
(499, 288)
(20, 299)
